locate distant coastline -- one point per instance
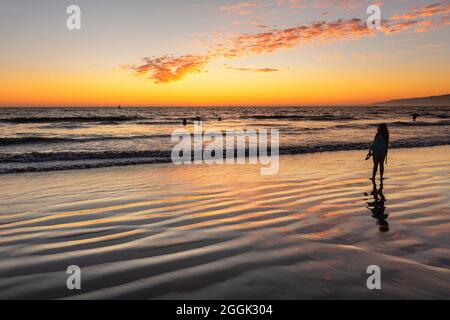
(433, 101)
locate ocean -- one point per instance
(48, 139)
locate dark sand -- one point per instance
(226, 232)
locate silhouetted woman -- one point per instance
(379, 150)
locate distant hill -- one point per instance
(436, 101)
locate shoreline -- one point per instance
(125, 162)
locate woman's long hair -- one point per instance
(384, 131)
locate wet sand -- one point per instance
(226, 232)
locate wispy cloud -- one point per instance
(242, 8)
(251, 43)
(168, 68)
(261, 70)
(346, 5)
(440, 8)
(427, 17)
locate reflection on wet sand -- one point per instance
(226, 232)
(378, 208)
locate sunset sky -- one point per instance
(203, 52)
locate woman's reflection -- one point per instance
(378, 209)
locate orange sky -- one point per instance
(248, 53)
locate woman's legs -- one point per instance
(382, 169)
(375, 168)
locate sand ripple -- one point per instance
(226, 232)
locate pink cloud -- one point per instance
(169, 68)
(440, 8)
(242, 8)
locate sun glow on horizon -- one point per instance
(272, 53)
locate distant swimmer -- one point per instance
(119, 107)
(184, 122)
(219, 118)
(415, 116)
(198, 119)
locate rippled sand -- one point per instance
(207, 232)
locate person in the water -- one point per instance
(379, 150)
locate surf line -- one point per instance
(237, 146)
